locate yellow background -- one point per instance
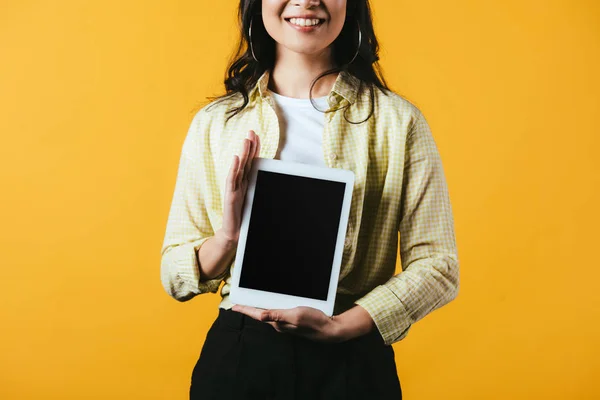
(96, 98)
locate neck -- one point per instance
(293, 73)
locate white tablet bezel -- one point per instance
(263, 299)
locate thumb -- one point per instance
(232, 169)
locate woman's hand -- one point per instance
(312, 323)
(235, 188)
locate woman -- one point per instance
(305, 87)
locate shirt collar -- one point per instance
(346, 86)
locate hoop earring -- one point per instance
(359, 43)
(250, 41)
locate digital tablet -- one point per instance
(292, 234)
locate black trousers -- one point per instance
(243, 358)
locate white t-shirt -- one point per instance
(301, 129)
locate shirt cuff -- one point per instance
(388, 313)
(184, 281)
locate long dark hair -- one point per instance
(244, 71)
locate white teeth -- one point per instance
(304, 22)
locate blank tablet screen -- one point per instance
(292, 234)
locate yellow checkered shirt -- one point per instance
(400, 189)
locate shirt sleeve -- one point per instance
(430, 267)
(188, 225)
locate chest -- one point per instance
(373, 149)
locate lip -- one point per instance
(305, 16)
(306, 28)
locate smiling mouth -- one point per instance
(305, 23)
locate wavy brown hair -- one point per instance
(244, 71)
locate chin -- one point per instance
(306, 50)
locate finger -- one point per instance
(258, 145)
(252, 312)
(256, 140)
(245, 153)
(305, 318)
(253, 139)
(243, 159)
(248, 168)
(300, 331)
(230, 181)
(285, 327)
(282, 327)
(281, 315)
